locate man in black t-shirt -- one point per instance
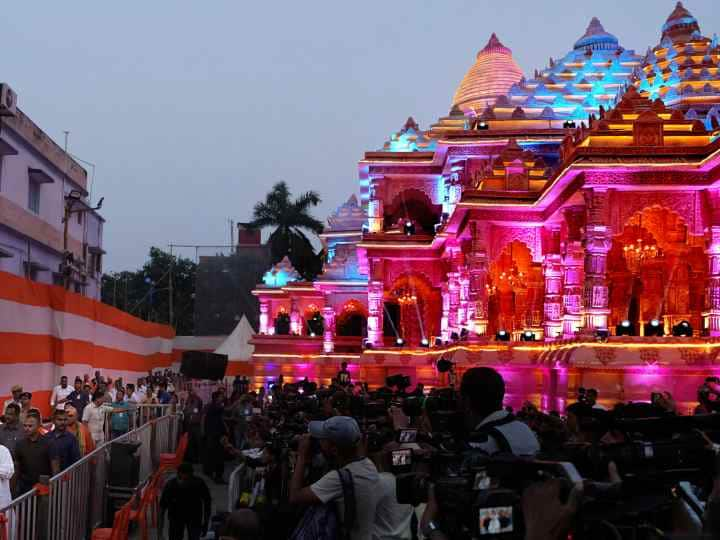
(343, 376)
(32, 455)
(187, 500)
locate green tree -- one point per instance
(290, 219)
(145, 293)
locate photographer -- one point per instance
(483, 390)
(341, 443)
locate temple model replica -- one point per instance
(564, 229)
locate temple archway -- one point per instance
(352, 320)
(418, 307)
(656, 270)
(515, 290)
(412, 205)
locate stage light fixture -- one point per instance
(502, 335)
(409, 228)
(464, 333)
(527, 335)
(438, 342)
(454, 336)
(602, 335)
(424, 342)
(654, 328)
(625, 328)
(569, 124)
(368, 344)
(682, 329)
(482, 125)
(399, 342)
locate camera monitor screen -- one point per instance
(495, 520)
(402, 458)
(408, 435)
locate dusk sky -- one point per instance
(191, 110)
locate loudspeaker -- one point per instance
(124, 464)
(203, 365)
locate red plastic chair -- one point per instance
(170, 462)
(148, 503)
(120, 527)
(3, 527)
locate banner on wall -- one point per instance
(46, 332)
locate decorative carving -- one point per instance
(502, 236)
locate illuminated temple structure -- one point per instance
(556, 211)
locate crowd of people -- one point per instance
(82, 417)
(331, 461)
(321, 456)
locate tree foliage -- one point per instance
(145, 293)
(291, 218)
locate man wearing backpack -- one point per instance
(352, 487)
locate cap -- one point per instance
(28, 394)
(16, 388)
(342, 430)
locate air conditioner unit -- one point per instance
(8, 100)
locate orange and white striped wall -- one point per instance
(46, 332)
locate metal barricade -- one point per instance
(21, 518)
(78, 497)
(235, 484)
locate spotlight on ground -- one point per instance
(625, 328)
(424, 342)
(654, 328)
(527, 335)
(399, 342)
(409, 228)
(682, 329)
(502, 335)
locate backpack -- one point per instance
(321, 521)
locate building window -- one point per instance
(34, 197)
(79, 218)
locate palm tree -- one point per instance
(290, 219)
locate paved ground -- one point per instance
(219, 493)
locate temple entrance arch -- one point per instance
(418, 305)
(352, 320)
(515, 290)
(412, 205)
(656, 270)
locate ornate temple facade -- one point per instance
(555, 212)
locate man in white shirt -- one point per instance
(94, 417)
(340, 441)
(16, 390)
(7, 470)
(60, 394)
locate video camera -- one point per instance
(483, 499)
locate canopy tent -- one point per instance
(237, 346)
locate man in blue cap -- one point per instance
(341, 442)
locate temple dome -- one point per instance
(490, 77)
(680, 25)
(596, 38)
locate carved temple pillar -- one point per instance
(375, 313)
(445, 317)
(296, 322)
(264, 315)
(464, 297)
(478, 270)
(573, 279)
(553, 274)
(453, 283)
(375, 208)
(597, 245)
(328, 313)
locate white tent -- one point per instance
(237, 346)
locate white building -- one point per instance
(36, 180)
